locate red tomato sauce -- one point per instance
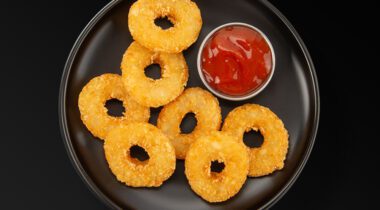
(236, 60)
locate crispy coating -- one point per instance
(207, 112)
(149, 173)
(147, 91)
(184, 14)
(272, 153)
(94, 114)
(221, 147)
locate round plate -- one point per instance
(292, 95)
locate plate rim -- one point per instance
(64, 125)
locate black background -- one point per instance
(35, 40)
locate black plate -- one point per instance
(292, 95)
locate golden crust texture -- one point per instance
(149, 173)
(207, 112)
(92, 108)
(213, 186)
(272, 153)
(149, 92)
(184, 14)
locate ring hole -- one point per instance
(115, 107)
(163, 22)
(138, 153)
(253, 139)
(188, 123)
(217, 167)
(153, 71)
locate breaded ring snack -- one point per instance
(149, 173)
(93, 97)
(213, 186)
(147, 91)
(207, 112)
(184, 15)
(272, 153)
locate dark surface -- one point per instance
(36, 37)
(100, 50)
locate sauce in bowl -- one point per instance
(236, 60)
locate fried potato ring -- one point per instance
(207, 112)
(93, 97)
(221, 147)
(183, 14)
(149, 92)
(272, 153)
(149, 173)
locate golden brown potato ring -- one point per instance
(216, 146)
(272, 153)
(149, 92)
(94, 114)
(184, 14)
(207, 112)
(149, 173)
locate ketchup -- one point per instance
(236, 60)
